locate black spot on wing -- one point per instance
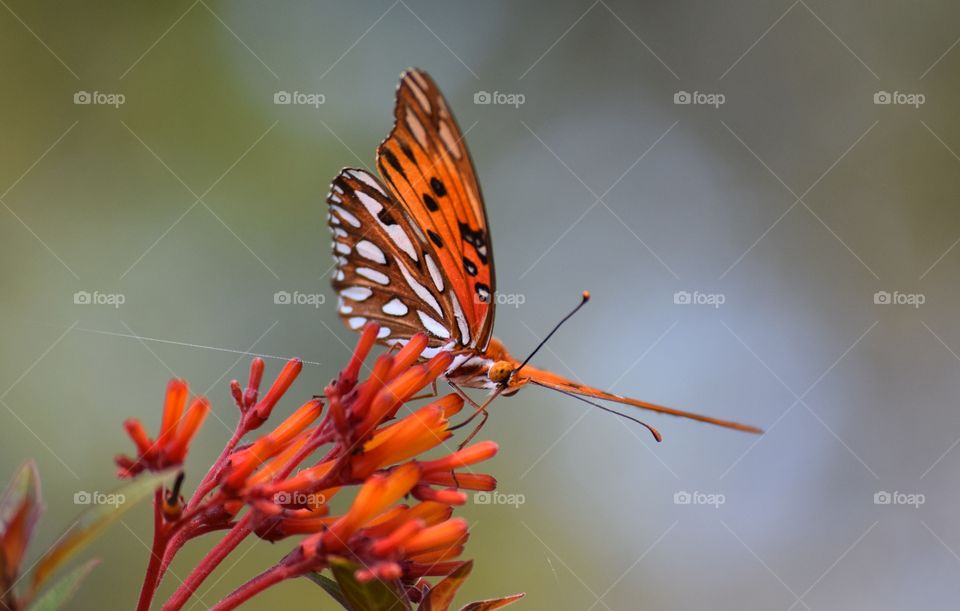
(483, 292)
(470, 266)
(408, 153)
(393, 161)
(438, 187)
(431, 203)
(386, 218)
(435, 238)
(475, 238)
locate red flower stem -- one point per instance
(258, 584)
(209, 480)
(152, 577)
(209, 563)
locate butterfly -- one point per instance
(412, 252)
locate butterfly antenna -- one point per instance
(656, 434)
(584, 299)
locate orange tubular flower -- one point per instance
(176, 431)
(286, 477)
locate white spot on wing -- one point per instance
(451, 144)
(372, 274)
(371, 251)
(356, 322)
(357, 293)
(372, 205)
(416, 128)
(433, 326)
(421, 291)
(368, 180)
(395, 307)
(346, 216)
(343, 249)
(383, 332)
(401, 239)
(432, 351)
(461, 319)
(420, 95)
(435, 273)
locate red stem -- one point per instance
(258, 584)
(152, 577)
(209, 563)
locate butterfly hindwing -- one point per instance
(384, 269)
(427, 168)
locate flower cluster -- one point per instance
(399, 526)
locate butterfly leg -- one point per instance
(429, 395)
(479, 409)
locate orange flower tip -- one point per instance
(192, 421)
(447, 496)
(446, 534)
(139, 436)
(280, 386)
(174, 402)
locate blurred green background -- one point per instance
(797, 202)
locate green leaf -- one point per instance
(374, 595)
(441, 595)
(331, 586)
(493, 603)
(57, 595)
(94, 520)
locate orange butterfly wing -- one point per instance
(428, 170)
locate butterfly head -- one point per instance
(500, 372)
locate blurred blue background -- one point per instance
(804, 200)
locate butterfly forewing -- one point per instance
(427, 168)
